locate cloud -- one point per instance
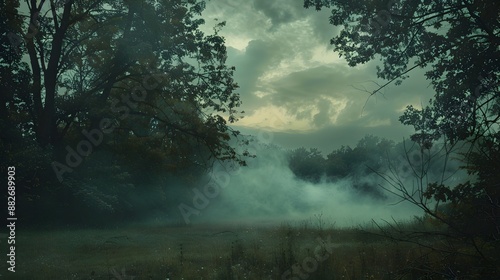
(324, 90)
(301, 94)
(328, 138)
(292, 82)
(267, 40)
(278, 14)
(323, 116)
(251, 63)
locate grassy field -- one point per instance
(286, 251)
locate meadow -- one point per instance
(289, 250)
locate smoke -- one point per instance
(266, 191)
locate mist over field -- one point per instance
(268, 192)
(236, 139)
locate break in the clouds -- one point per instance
(293, 84)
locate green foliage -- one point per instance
(457, 43)
(144, 65)
(160, 85)
(307, 164)
(337, 165)
(370, 154)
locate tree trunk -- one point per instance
(47, 132)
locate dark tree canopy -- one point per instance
(130, 90)
(142, 66)
(457, 42)
(354, 165)
(307, 164)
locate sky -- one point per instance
(295, 87)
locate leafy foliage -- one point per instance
(369, 155)
(457, 43)
(153, 92)
(307, 164)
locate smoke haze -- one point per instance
(267, 191)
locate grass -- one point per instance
(223, 252)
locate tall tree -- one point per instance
(104, 102)
(140, 68)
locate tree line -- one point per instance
(362, 166)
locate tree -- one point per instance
(336, 166)
(369, 154)
(307, 164)
(141, 66)
(359, 163)
(457, 43)
(134, 80)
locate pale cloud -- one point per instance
(274, 119)
(292, 83)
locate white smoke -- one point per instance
(266, 191)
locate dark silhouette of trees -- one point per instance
(132, 86)
(145, 66)
(457, 43)
(337, 165)
(307, 164)
(369, 154)
(356, 165)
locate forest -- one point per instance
(128, 150)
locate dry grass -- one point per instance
(220, 252)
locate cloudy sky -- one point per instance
(294, 85)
